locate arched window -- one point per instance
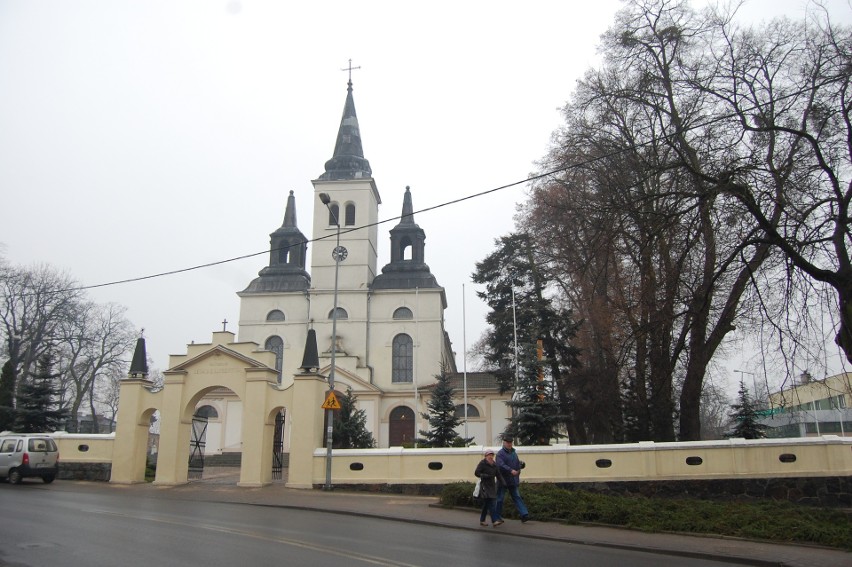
(207, 411)
(275, 315)
(403, 359)
(471, 411)
(333, 212)
(403, 313)
(276, 344)
(350, 214)
(341, 314)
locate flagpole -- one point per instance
(464, 358)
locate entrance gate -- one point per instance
(197, 442)
(278, 447)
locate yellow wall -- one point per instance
(79, 448)
(825, 456)
(735, 458)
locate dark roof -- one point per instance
(139, 365)
(475, 381)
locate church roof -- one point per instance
(348, 160)
(476, 381)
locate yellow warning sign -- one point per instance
(331, 402)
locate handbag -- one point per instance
(477, 488)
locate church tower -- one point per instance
(390, 325)
(354, 202)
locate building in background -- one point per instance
(811, 408)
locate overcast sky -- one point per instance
(141, 137)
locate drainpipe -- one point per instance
(369, 319)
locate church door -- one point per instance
(401, 426)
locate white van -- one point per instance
(28, 455)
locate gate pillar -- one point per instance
(256, 468)
(131, 433)
(306, 434)
(173, 456)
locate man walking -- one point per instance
(509, 467)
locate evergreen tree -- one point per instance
(536, 408)
(745, 417)
(38, 409)
(442, 417)
(350, 425)
(517, 284)
(7, 389)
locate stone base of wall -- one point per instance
(84, 471)
(832, 492)
(815, 491)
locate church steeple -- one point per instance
(288, 249)
(402, 272)
(348, 160)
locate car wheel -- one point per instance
(14, 477)
(48, 478)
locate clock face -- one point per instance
(339, 253)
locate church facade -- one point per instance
(391, 341)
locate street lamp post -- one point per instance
(753, 381)
(339, 253)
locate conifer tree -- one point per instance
(746, 424)
(7, 389)
(536, 409)
(37, 408)
(442, 417)
(350, 427)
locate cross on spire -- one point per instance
(350, 68)
(224, 325)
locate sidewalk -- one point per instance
(221, 487)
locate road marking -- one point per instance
(371, 559)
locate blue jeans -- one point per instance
(488, 508)
(516, 498)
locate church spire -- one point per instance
(407, 268)
(290, 212)
(348, 160)
(407, 208)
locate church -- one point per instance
(389, 323)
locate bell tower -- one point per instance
(353, 202)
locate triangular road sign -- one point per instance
(331, 401)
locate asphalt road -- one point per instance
(44, 527)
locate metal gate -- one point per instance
(278, 447)
(197, 442)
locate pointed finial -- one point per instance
(139, 365)
(290, 212)
(407, 208)
(310, 361)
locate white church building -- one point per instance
(391, 341)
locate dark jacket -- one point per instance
(487, 472)
(507, 461)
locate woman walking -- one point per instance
(486, 471)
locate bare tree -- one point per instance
(96, 342)
(34, 303)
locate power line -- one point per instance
(732, 115)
